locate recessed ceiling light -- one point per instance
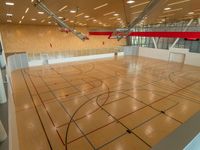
(20, 22)
(167, 15)
(98, 7)
(9, 3)
(89, 19)
(137, 12)
(140, 4)
(32, 1)
(66, 19)
(43, 20)
(22, 17)
(112, 18)
(172, 10)
(71, 21)
(190, 13)
(41, 12)
(115, 14)
(95, 20)
(119, 19)
(9, 20)
(60, 17)
(33, 19)
(86, 16)
(27, 9)
(49, 22)
(62, 8)
(72, 11)
(79, 14)
(109, 13)
(130, 2)
(179, 2)
(9, 15)
(167, 8)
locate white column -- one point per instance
(155, 43)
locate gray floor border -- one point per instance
(182, 136)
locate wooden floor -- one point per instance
(119, 103)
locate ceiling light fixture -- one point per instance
(9, 3)
(42, 20)
(89, 19)
(140, 4)
(20, 22)
(49, 22)
(190, 13)
(98, 7)
(33, 19)
(115, 14)
(9, 15)
(41, 12)
(109, 13)
(62, 8)
(172, 10)
(22, 17)
(27, 9)
(66, 19)
(130, 2)
(167, 8)
(137, 12)
(167, 15)
(86, 16)
(72, 11)
(112, 18)
(9, 20)
(179, 2)
(79, 14)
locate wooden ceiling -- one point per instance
(98, 13)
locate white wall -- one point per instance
(154, 53)
(191, 58)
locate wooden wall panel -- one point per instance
(32, 38)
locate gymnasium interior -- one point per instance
(100, 75)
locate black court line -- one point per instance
(48, 140)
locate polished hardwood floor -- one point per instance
(120, 103)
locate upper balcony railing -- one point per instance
(170, 27)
